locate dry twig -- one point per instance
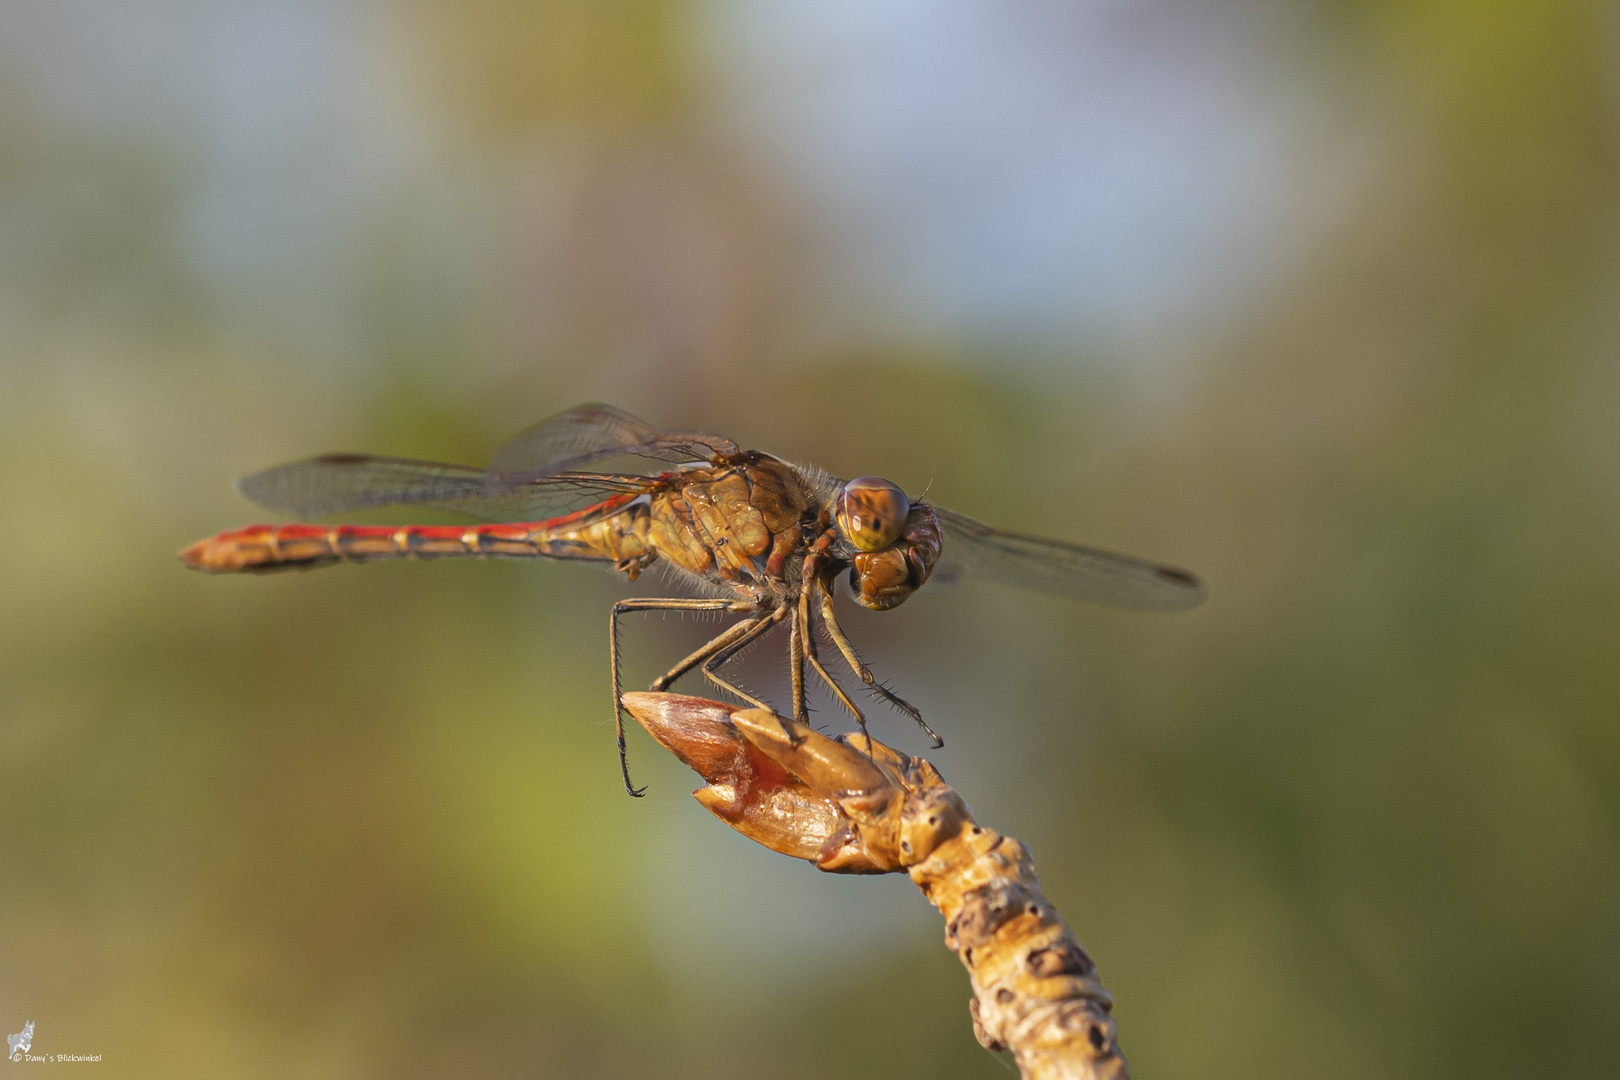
(855, 806)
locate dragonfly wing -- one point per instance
(1052, 566)
(590, 433)
(338, 483)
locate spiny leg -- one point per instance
(706, 650)
(860, 669)
(679, 604)
(754, 632)
(796, 627)
(809, 637)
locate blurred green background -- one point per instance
(1319, 299)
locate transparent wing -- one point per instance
(590, 433)
(1052, 566)
(533, 476)
(337, 483)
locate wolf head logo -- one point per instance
(20, 1042)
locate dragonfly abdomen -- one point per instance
(609, 531)
(287, 547)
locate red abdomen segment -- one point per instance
(610, 531)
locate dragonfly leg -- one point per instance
(796, 626)
(704, 651)
(861, 670)
(674, 604)
(756, 629)
(809, 638)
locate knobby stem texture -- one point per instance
(852, 805)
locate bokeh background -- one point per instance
(1320, 299)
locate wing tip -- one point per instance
(269, 488)
(1191, 588)
(251, 486)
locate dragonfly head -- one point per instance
(871, 512)
(883, 579)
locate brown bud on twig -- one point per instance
(855, 806)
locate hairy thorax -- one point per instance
(741, 526)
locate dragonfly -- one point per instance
(743, 532)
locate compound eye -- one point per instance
(871, 512)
